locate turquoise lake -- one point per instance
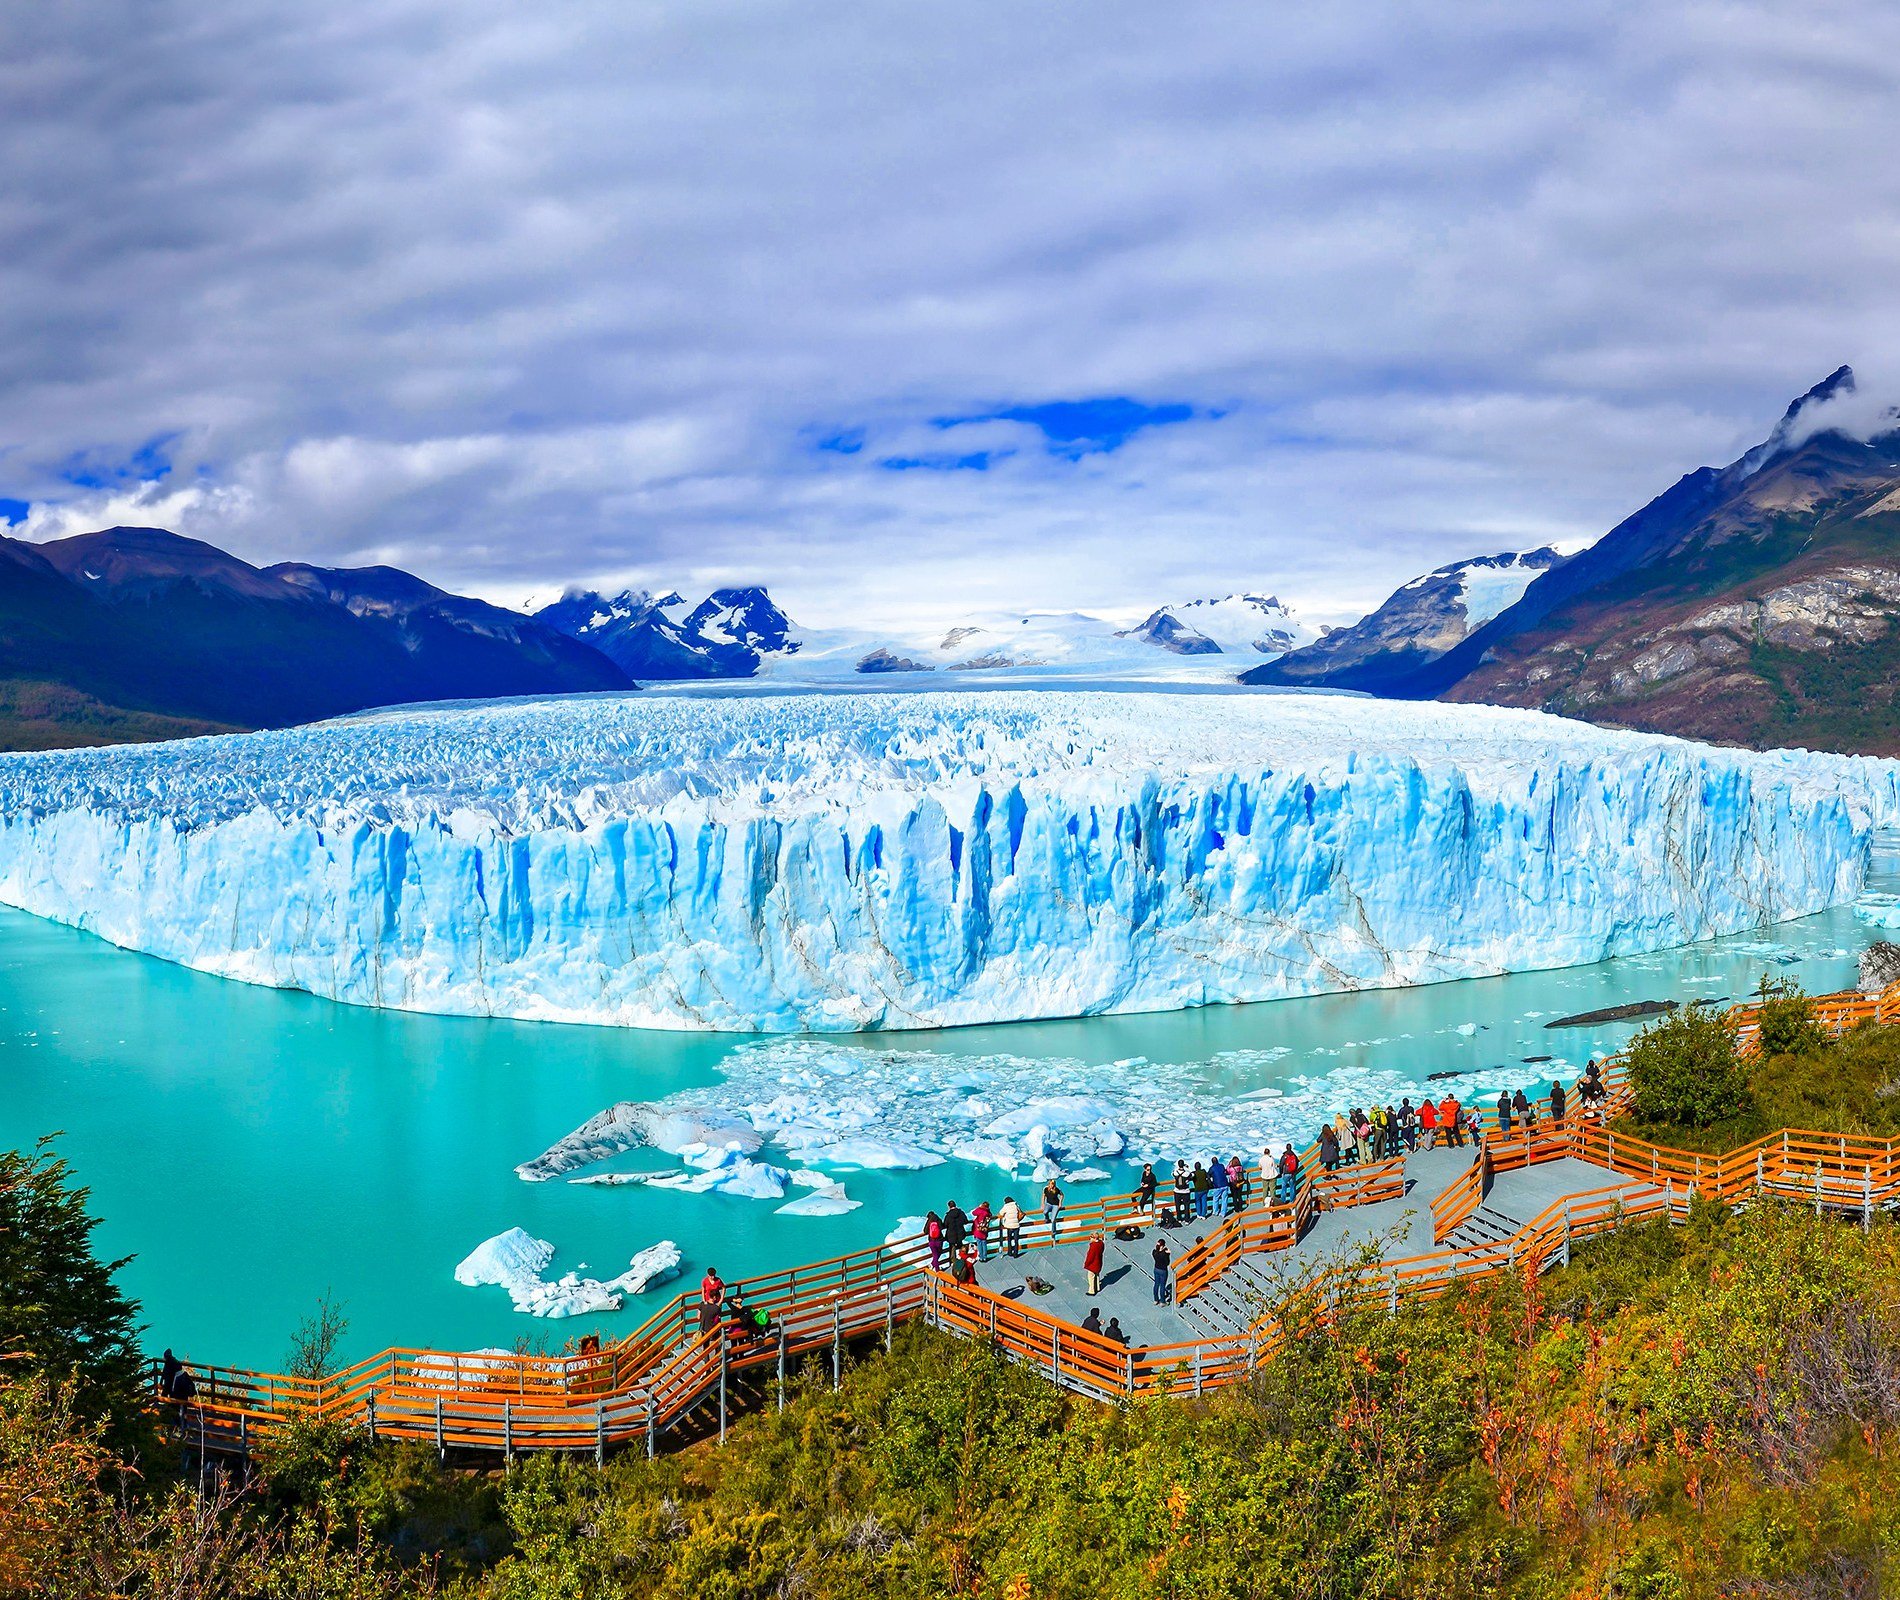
(250, 1148)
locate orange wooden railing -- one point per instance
(649, 1381)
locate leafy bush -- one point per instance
(1685, 1072)
(1789, 1026)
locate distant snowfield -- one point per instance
(848, 861)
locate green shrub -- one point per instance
(1789, 1026)
(1685, 1071)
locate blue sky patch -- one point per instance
(975, 461)
(93, 469)
(13, 511)
(1077, 428)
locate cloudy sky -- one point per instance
(908, 310)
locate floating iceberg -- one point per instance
(835, 862)
(516, 1261)
(830, 1201)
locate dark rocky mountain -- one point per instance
(726, 635)
(1165, 629)
(1422, 621)
(1756, 603)
(135, 633)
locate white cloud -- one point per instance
(512, 297)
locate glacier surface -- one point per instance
(851, 861)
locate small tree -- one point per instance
(1788, 1024)
(61, 1313)
(1685, 1072)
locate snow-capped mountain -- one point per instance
(1421, 621)
(726, 635)
(742, 633)
(1204, 640)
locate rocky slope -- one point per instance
(1756, 603)
(1760, 606)
(1422, 621)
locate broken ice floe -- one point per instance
(837, 1107)
(516, 1261)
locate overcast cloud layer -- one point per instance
(907, 310)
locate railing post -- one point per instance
(508, 1433)
(1129, 1357)
(837, 1344)
(1669, 1198)
(1817, 1188)
(890, 1317)
(1758, 1172)
(651, 1409)
(723, 1347)
(600, 1433)
(1197, 1371)
(1055, 1356)
(781, 1366)
(441, 1447)
(1392, 1297)
(1866, 1201)
(1566, 1232)
(244, 1435)
(369, 1414)
(992, 1322)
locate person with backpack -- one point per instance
(1181, 1189)
(1217, 1187)
(1092, 1259)
(1450, 1119)
(1163, 1259)
(1237, 1183)
(1289, 1173)
(1522, 1107)
(1010, 1219)
(933, 1235)
(1202, 1188)
(1557, 1104)
(1504, 1113)
(1428, 1123)
(1328, 1147)
(1145, 1190)
(980, 1229)
(1408, 1124)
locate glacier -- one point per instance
(834, 862)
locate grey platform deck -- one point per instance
(1397, 1228)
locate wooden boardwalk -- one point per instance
(1381, 1234)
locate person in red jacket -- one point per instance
(1428, 1122)
(1092, 1261)
(1451, 1120)
(712, 1295)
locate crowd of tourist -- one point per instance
(960, 1242)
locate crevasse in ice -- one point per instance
(855, 861)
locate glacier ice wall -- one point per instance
(838, 862)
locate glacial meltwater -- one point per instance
(250, 1149)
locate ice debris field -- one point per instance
(837, 862)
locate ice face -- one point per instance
(835, 862)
